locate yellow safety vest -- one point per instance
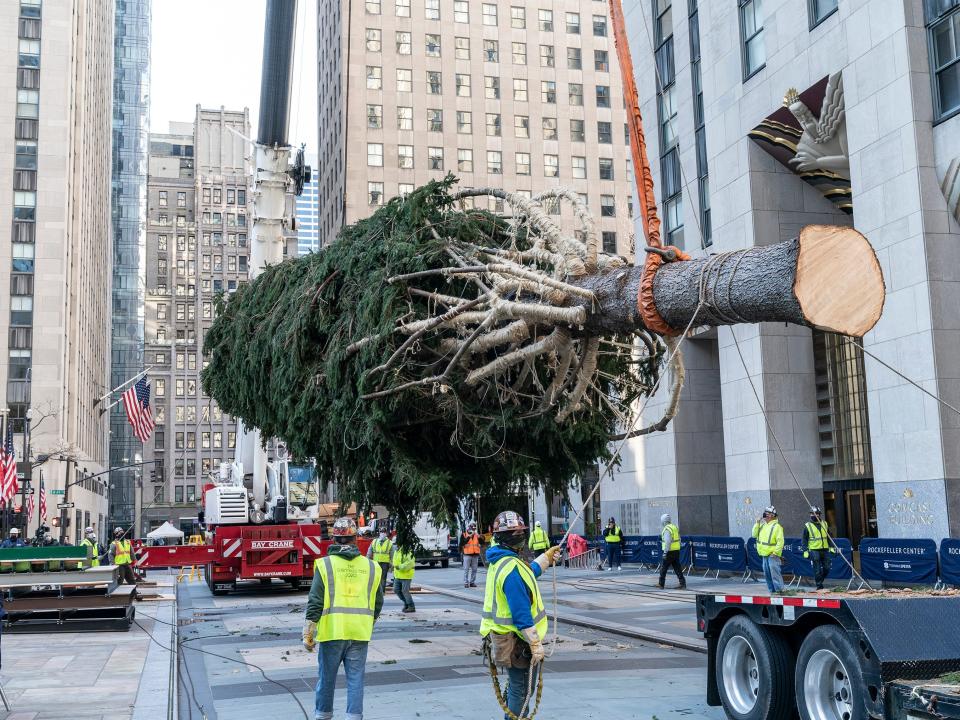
(349, 597)
(122, 554)
(95, 553)
(539, 539)
(613, 535)
(381, 550)
(496, 609)
(817, 536)
(770, 539)
(674, 536)
(404, 564)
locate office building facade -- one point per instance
(308, 213)
(131, 89)
(763, 118)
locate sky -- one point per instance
(210, 52)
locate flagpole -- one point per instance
(3, 484)
(124, 384)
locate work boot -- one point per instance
(683, 586)
(466, 585)
(660, 585)
(473, 584)
(409, 609)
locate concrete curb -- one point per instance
(157, 693)
(677, 641)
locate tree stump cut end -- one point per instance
(839, 283)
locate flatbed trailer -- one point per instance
(832, 657)
(246, 553)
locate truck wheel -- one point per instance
(266, 582)
(829, 680)
(444, 564)
(295, 583)
(754, 667)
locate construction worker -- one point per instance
(539, 540)
(769, 535)
(13, 540)
(121, 555)
(470, 542)
(670, 540)
(381, 552)
(817, 546)
(404, 563)
(514, 618)
(614, 539)
(344, 602)
(90, 540)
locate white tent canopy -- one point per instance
(165, 531)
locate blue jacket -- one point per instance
(516, 590)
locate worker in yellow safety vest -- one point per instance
(670, 540)
(539, 540)
(121, 555)
(613, 537)
(769, 536)
(381, 552)
(90, 541)
(514, 619)
(404, 564)
(817, 546)
(344, 602)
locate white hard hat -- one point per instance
(770, 510)
(14, 531)
(537, 523)
(88, 530)
(665, 518)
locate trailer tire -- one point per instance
(754, 667)
(444, 564)
(829, 682)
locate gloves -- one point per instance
(806, 554)
(833, 550)
(309, 635)
(548, 558)
(536, 646)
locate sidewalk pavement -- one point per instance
(91, 675)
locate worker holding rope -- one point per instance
(515, 620)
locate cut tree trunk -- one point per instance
(828, 278)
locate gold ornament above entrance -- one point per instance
(812, 146)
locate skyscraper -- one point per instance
(308, 213)
(55, 266)
(131, 89)
(523, 96)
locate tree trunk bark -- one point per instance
(829, 278)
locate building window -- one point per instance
(579, 167)
(404, 80)
(464, 122)
(374, 77)
(820, 10)
(520, 89)
(432, 44)
(490, 14)
(519, 53)
(700, 132)
(373, 7)
(435, 158)
(374, 40)
(493, 124)
(609, 240)
(494, 162)
(465, 160)
(491, 51)
(375, 193)
(404, 118)
(603, 96)
(405, 157)
(518, 18)
(521, 126)
(523, 163)
(545, 20)
(435, 120)
(605, 166)
(601, 61)
(751, 36)
(600, 25)
(670, 186)
(549, 128)
(374, 159)
(551, 166)
(943, 19)
(404, 43)
(462, 48)
(574, 59)
(573, 23)
(403, 8)
(608, 206)
(375, 117)
(548, 92)
(463, 85)
(547, 56)
(461, 11)
(577, 131)
(432, 9)
(575, 94)
(491, 87)
(604, 133)
(434, 82)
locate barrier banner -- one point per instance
(950, 561)
(753, 559)
(840, 570)
(899, 561)
(698, 546)
(650, 550)
(726, 553)
(630, 552)
(797, 564)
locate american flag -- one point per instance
(29, 507)
(43, 502)
(136, 401)
(8, 469)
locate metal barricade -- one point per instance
(588, 560)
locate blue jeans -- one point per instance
(772, 573)
(613, 554)
(353, 655)
(401, 589)
(517, 691)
